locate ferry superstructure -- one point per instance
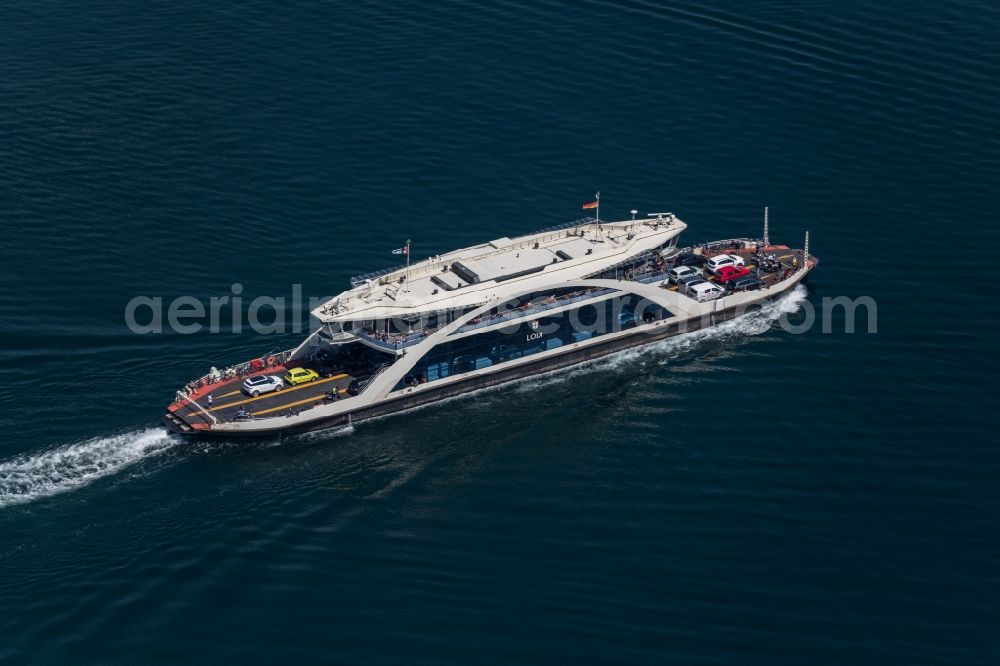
(477, 317)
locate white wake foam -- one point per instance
(32, 476)
(754, 322)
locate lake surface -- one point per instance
(744, 496)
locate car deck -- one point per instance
(228, 398)
(784, 254)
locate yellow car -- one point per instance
(301, 376)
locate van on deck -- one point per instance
(704, 292)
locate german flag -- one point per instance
(592, 204)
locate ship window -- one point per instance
(538, 301)
(526, 338)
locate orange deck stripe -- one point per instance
(315, 398)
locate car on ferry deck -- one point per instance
(258, 384)
(676, 274)
(727, 273)
(745, 283)
(688, 280)
(721, 260)
(705, 292)
(687, 286)
(358, 385)
(297, 376)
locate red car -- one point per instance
(727, 273)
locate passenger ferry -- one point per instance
(488, 314)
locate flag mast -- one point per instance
(407, 264)
(596, 204)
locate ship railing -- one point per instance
(560, 227)
(533, 309)
(198, 407)
(404, 340)
(397, 341)
(647, 278)
(240, 369)
(637, 260)
(371, 378)
(359, 280)
(250, 417)
(717, 246)
(418, 270)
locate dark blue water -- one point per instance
(746, 496)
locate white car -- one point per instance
(679, 272)
(718, 261)
(688, 286)
(262, 384)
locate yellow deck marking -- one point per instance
(226, 395)
(315, 398)
(271, 394)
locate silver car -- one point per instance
(262, 384)
(678, 273)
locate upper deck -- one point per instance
(499, 268)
